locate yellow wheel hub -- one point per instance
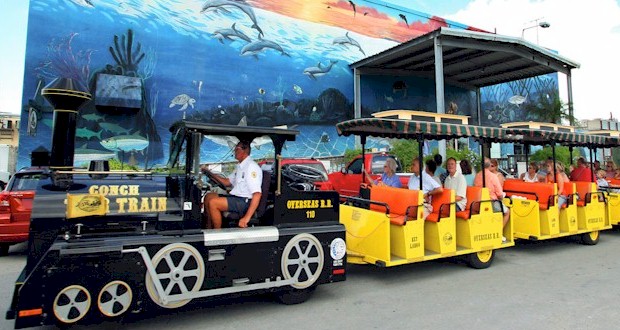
(485, 256)
(593, 235)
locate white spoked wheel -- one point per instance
(180, 269)
(115, 298)
(71, 304)
(302, 260)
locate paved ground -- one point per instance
(545, 285)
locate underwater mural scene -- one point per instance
(149, 64)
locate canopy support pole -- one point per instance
(439, 89)
(357, 100)
(569, 87)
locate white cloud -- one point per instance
(587, 32)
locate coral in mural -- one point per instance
(127, 58)
(62, 61)
(129, 135)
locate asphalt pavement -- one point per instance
(557, 284)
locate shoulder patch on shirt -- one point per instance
(253, 175)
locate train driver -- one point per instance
(245, 195)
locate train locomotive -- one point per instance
(104, 244)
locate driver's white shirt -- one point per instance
(246, 179)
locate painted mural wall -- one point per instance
(251, 62)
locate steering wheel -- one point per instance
(213, 178)
(302, 173)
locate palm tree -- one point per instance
(550, 108)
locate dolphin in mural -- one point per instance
(346, 40)
(84, 3)
(257, 46)
(228, 34)
(215, 5)
(316, 71)
(404, 18)
(353, 5)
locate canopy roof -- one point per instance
(470, 59)
(411, 129)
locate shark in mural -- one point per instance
(215, 5)
(257, 46)
(85, 155)
(346, 40)
(231, 141)
(230, 34)
(316, 71)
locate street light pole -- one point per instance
(539, 23)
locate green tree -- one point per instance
(349, 154)
(405, 151)
(562, 154)
(550, 108)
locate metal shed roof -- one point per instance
(470, 59)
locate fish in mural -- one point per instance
(316, 71)
(230, 34)
(87, 134)
(93, 117)
(346, 40)
(353, 6)
(261, 91)
(125, 143)
(85, 155)
(389, 98)
(183, 100)
(297, 89)
(115, 128)
(517, 100)
(84, 3)
(256, 47)
(215, 5)
(404, 18)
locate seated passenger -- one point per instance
(430, 187)
(610, 169)
(495, 169)
(467, 172)
(558, 176)
(601, 179)
(496, 192)
(532, 173)
(430, 167)
(456, 182)
(245, 195)
(582, 172)
(389, 177)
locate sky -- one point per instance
(587, 32)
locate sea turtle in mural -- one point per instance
(183, 100)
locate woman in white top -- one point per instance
(532, 173)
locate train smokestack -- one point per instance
(66, 96)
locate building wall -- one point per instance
(251, 62)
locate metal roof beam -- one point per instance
(512, 49)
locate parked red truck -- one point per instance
(15, 207)
(347, 181)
